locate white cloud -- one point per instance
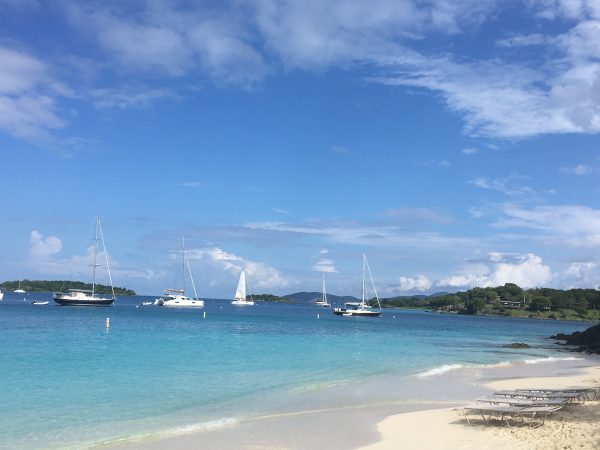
(524, 270)
(323, 263)
(259, 276)
(41, 248)
(420, 283)
(523, 40)
(580, 169)
(568, 224)
(190, 184)
(281, 211)
(125, 98)
(470, 150)
(508, 185)
(581, 274)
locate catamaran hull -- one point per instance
(80, 302)
(183, 303)
(346, 312)
(241, 302)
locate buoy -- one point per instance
(204, 315)
(107, 322)
(318, 316)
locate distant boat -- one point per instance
(84, 297)
(240, 293)
(146, 303)
(362, 308)
(39, 303)
(1, 295)
(19, 291)
(323, 301)
(176, 298)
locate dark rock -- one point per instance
(588, 340)
(516, 345)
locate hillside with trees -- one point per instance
(60, 285)
(511, 300)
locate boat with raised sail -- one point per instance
(362, 308)
(1, 295)
(83, 297)
(176, 298)
(323, 301)
(19, 290)
(240, 293)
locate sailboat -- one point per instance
(240, 293)
(323, 301)
(176, 298)
(1, 295)
(19, 291)
(361, 308)
(82, 297)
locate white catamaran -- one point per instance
(176, 298)
(323, 301)
(240, 293)
(361, 308)
(82, 297)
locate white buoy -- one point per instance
(204, 315)
(318, 316)
(107, 322)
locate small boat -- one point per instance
(84, 297)
(323, 301)
(240, 293)
(39, 303)
(147, 303)
(19, 290)
(362, 308)
(1, 295)
(176, 298)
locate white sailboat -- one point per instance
(19, 291)
(362, 308)
(240, 293)
(323, 301)
(1, 295)
(83, 297)
(176, 298)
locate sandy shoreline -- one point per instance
(413, 423)
(577, 426)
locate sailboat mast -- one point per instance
(363, 280)
(94, 263)
(324, 293)
(183, 264)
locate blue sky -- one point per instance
(454, 142)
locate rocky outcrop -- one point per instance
(588, 340)
(516, 345)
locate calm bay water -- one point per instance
(65, 381)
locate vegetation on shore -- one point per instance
(60, 285)
(510, 300)
(270, 298)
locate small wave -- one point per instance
(318, 386)
(201, 426)
(550, 359)
(439, 370)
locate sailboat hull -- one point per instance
(242, 302)
(94, 301)
(357, 313)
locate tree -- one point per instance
(539, 303)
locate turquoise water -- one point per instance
(66, 381)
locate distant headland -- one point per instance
(60, 285)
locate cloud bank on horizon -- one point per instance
(507, 195)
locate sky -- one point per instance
(455, 143)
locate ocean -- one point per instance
(68, 382)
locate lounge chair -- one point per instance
(506, 412)
(523, 401)
(588, 393)
(540, 395)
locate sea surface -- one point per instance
(66, 381)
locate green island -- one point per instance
(509, 300)
(60, 285)
(269, 298)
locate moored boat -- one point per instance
(323, 301)
(240, 297)
(84, 297)
(362, 308)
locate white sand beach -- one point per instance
(575, 427)
(421, 424)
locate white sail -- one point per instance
(240, 293)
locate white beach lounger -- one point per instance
(506, 412)
(523, 401)
(588, 393)
(570, 396)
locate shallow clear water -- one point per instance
(67, 381)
